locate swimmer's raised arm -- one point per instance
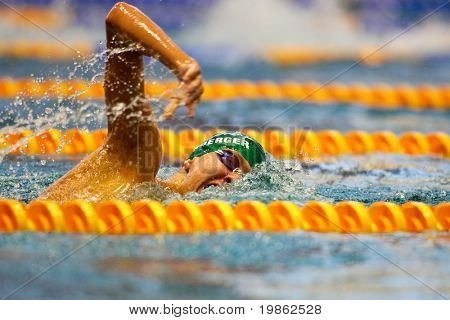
(125, 26)
(132, 150)
(130, 35)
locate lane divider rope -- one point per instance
(382, 96)
(279, 56)
(46, 17)
(25, 49)
(285, 56)
(299, 144)
(151, 217)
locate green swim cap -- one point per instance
(249, 148)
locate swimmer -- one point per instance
(132, 150)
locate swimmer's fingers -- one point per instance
(191, 108)
(192, 100)
(193, 86)
(174, 103)
(189, 90)
(193, 91)
(190, 96)
(190, 72)
(171, 107)
(194, 95)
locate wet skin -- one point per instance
(132, 151)
(202, 172)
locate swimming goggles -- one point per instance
(229, 160)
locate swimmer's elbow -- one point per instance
(116, 11)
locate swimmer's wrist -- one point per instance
(180, 66)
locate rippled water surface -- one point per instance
(294, 265)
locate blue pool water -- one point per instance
(294, 265)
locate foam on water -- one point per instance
(367, 179)
(349, 178)
(295, 265)
(62, 112)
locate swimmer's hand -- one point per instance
(189, 91)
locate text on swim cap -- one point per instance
(228, 140)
